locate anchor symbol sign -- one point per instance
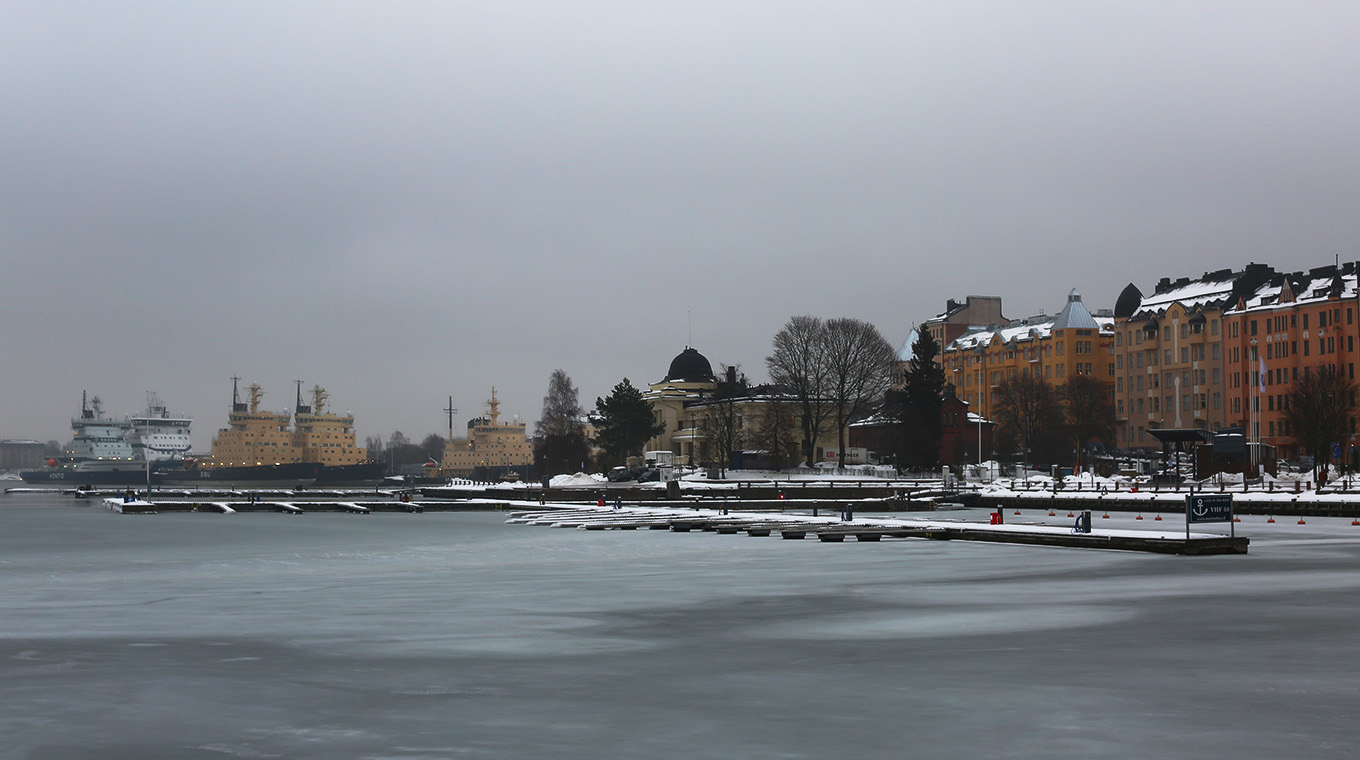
(1208, 508)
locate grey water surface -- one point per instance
(455, 635)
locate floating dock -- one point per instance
(833, 530)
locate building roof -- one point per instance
(690, 366)
(1314, 286)
(1075, 315)
(906, 352)
(1212, 290)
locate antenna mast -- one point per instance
(451, 411)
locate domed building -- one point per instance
(690, 378)
(699, 409)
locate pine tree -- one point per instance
(624, 422)
(922, 417)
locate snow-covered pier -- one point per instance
(836, 529)
(294, 505)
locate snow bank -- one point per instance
(578, 480)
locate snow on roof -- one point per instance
(1038, 327)
(1315, 286)
(1206, 291)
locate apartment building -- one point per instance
(974, 313)
(1170, 356)
(1075, 342)
(1283, 329)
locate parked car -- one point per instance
(1169, 477)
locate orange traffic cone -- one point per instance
(1158, 517)
(1302, 522)
(1270, 520)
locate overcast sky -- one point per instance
(407, 201)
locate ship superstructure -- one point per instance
(97, 437)
(253, 436)
(97, 454)
(260, 446)
(491, 449)
(322, 436)
(157, 436)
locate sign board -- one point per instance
(1209, 508)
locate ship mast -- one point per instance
(236, 405)
(451, 411)
(298, 407)
(495, 407)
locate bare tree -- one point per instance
(720, 421)
(1028, 406)
(374, 445)
(1088, 409)
(859, 367)
(561, 446)
(433, 446)
(776, 433)
(1321, 411)
(798, 362)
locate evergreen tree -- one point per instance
(922, 413)
(561, 445)
(624, 422)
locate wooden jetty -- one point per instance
(832, 530)
(295, 504)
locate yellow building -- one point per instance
(490, 448)
(1075, 342)
(683, 402)
(690, 378)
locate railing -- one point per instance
(1295, 487)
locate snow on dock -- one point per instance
(832, 529)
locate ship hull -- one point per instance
(292, 475)
(130, 474)
(361, 474)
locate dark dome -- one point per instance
(1129, 301)
(690, 366)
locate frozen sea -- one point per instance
(455, 635)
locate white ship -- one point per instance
(98, 453)
(156, 436)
